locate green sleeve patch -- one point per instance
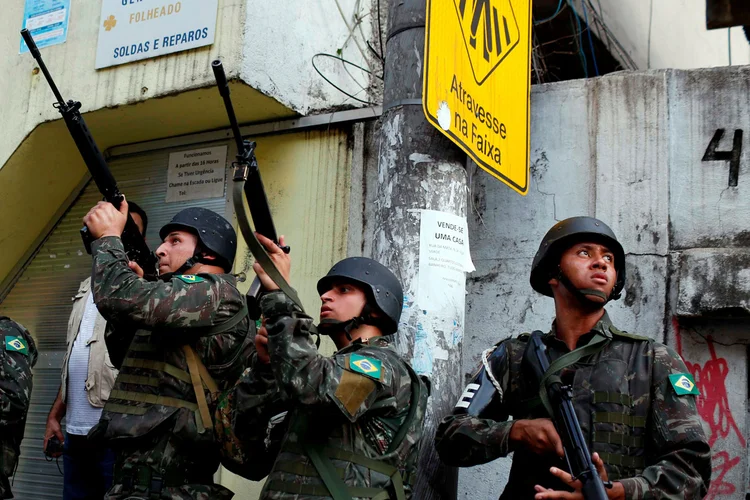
(16, 344)
(371, 367)
(684, 383)
(190, 278)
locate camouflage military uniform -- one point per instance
(649, 438)
(359, 413)
(153, 418)
(17, 357)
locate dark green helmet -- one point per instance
(214, 233)
(562, 236)
(381, 286)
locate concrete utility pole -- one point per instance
(418, 168)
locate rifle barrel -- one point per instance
(221, 82)
(31, 44)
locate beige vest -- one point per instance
(101, 373)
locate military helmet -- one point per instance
(562, 236)
(214, 232)
(380, 285)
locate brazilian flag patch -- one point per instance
(684, 383)
(16, 344)
(190, 278)
(366, 366)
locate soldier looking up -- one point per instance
(193, 337)
(633, 397)
(17, 358)
(354, 420)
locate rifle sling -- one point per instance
(594, 346)
(238, 199)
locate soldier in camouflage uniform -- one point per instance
(17, 358)
(354, 420)
(177, 342)
(634, 398)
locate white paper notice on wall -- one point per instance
(196, 174)
(444, 260)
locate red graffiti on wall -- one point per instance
(713, 403)
(721, 464)
(713, 407)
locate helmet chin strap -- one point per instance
(583, 294)
(332, 326)
(197, 258)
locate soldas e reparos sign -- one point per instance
(131, 30)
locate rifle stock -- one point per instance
(132, 240)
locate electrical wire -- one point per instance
(579, 40)
(591, 40)
(610, 36)
(343, 61)
(550, 18)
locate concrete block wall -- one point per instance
(628, 148)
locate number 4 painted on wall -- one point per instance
(733, 156)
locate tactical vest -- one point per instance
(612, 399)
(162, 389)
(317, 464)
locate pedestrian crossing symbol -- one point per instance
(366, 366)
(683, 383)
(16, 344)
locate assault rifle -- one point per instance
(566, 422)
(249, 185)
(132, 240)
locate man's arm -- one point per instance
(311, 379)
(124, 298)
(478, 431)
(680, 463)
(56, 414)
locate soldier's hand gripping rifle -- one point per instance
(132, 240)
(560, 398)
(248, 184)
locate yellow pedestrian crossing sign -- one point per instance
(477, 81)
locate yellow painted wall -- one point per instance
(46, 167)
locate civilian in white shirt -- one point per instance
(87, 379)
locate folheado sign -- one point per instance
(131, 30)
(477, 82)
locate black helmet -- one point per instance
(214, 232)
(380, 284)
(562, 236)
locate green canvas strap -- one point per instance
(596, 344)
(416, 394)
(320, 490)
(622, 460)
(152, 399)
(159, 366)
(618, 439)
(613, 397)
(238, 199)
(607, 417)
(223, 327)
(335, 485)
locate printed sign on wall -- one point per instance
(47, 20)
(196, 174)
(131, 30)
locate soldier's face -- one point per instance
(342, 302)
(589, 265)
(178, 247)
